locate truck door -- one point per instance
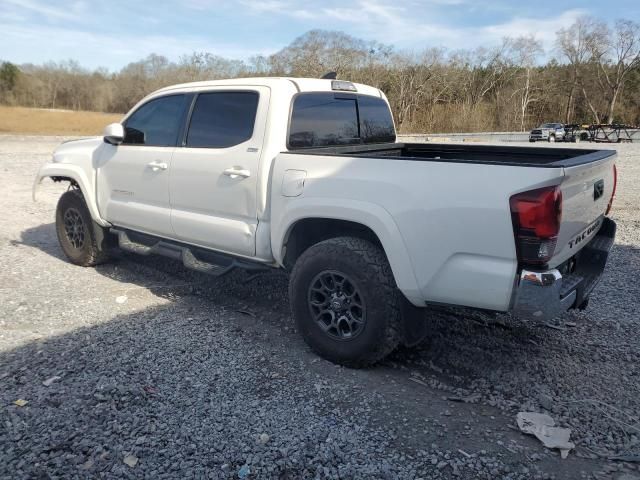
(214, 176)
(133, 177)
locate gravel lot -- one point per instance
(151, 371)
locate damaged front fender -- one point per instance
(74, 174)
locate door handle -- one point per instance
(235, 172)
(157, 165)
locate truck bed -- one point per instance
(450, 205)
(482, 154)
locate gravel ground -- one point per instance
(140, 369)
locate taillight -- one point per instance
(536, 216)
(615, 186)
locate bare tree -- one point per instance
(580, 44)
(620, 56)
(53, 77)
(487, 68)
(526, 51)
(502, 87)
(410, 78)
(320, 51)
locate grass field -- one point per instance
(53, 122)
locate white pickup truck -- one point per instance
(307, 175)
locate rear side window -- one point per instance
(222, 119)
(329, 119)
(157, 122)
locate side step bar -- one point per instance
(194, 258)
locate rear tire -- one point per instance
(552, 139)
(345, 301)
(76, 230)
(584, 304)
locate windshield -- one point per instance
(550, 125)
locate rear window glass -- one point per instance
(321, 119)
(328, 119)
(222, 119)
(376, 123)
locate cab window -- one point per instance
(222, 119)
(157, 122)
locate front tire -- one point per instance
(345, 301)
(76, 230)
(552, 139)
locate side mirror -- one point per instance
(114, 134)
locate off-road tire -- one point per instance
(583, 305)
(552, 139)
(367, 266)
(87, 254)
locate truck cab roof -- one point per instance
(300, 84)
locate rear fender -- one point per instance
(376, 218)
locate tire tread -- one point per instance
(374, 258)
(94, 256)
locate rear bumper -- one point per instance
(543, 295)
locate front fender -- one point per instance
(78, 175)
(370, 215)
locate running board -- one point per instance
(194, 258)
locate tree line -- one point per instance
(592, 75)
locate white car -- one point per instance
(306, 175)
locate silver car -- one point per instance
(549, 132)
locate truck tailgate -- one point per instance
(586, 192)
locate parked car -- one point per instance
(307, 175)
(548, 132)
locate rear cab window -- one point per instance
(321, 119)
(222, 119)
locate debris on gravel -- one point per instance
(50, 380)
(543, 427)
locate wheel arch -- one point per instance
(306, 232)
(305, 225)
(78, 178)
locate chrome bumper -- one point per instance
(538, 296)
(543, 295)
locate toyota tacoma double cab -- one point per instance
(307, 175)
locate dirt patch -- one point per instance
(42, 121)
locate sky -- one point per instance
(113, 33)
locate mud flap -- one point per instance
(105, 240)
(415, 324)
